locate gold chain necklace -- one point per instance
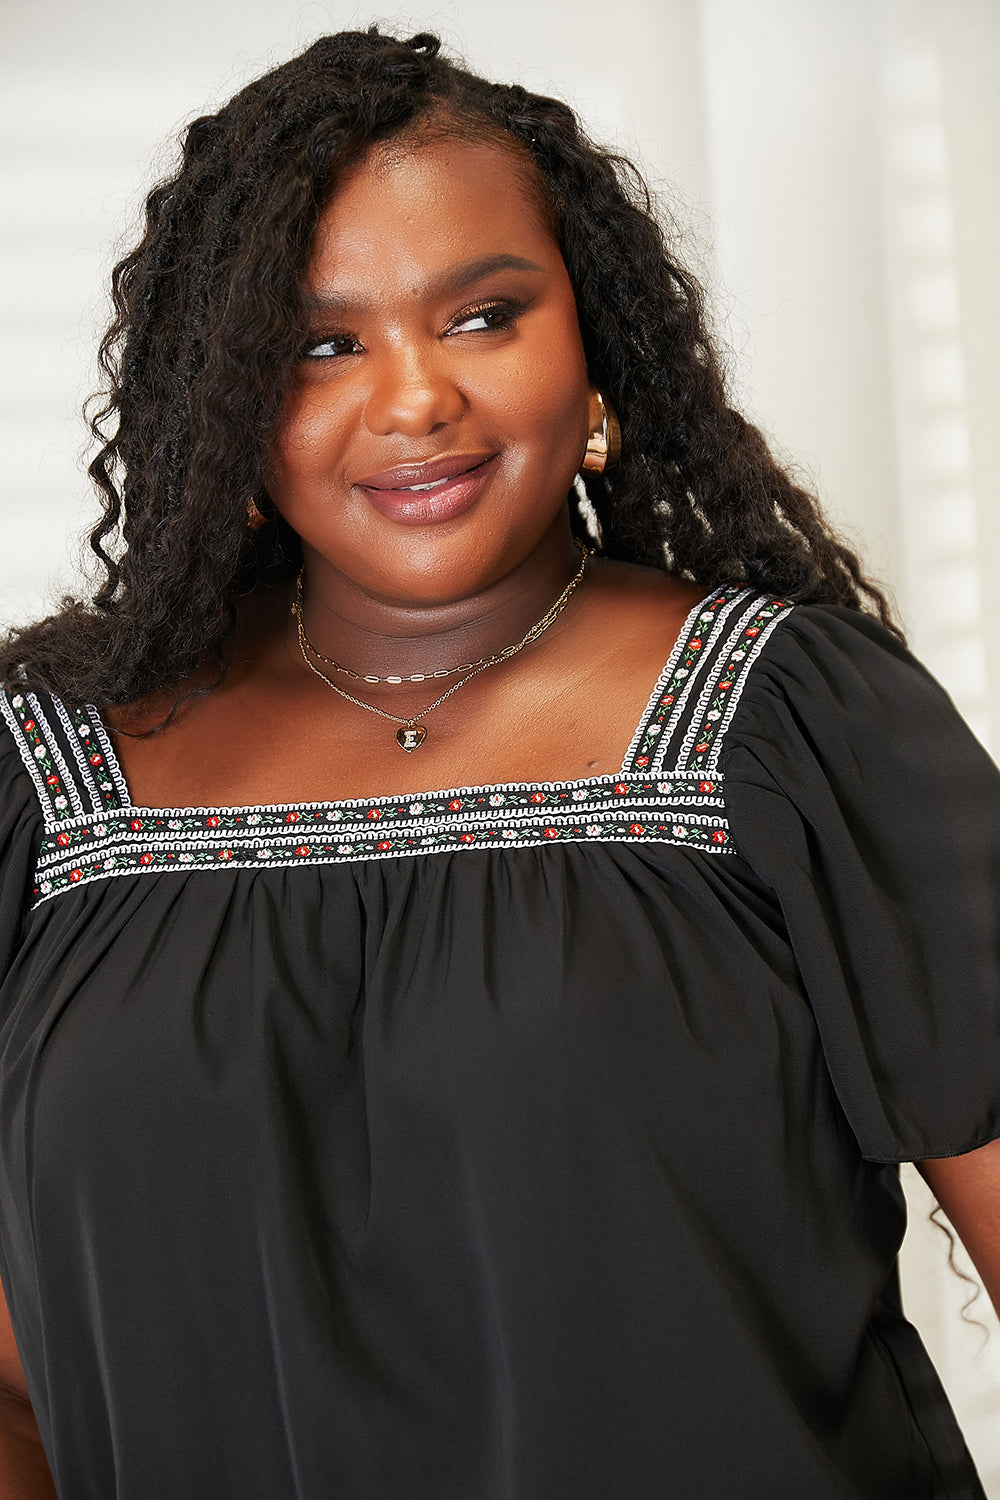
(412, 734)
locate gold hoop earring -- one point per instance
(256, 519)
(604, 441)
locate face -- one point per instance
(439, 409)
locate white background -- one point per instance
(833, 166)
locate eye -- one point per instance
(487, 317)
(331, 348)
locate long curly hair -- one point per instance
(208, 324)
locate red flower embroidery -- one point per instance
(468, 838)
(706, 786)
(135, 825)
(75, 875)
(147, 859)
(212, 822)
(384, 844)
(718, 837)
(291, 817)
(454, 805)
(621, 788)
(551, 833)
(302, 851)
(96, 759)
(374, 813)
(723, 686)
(753, 630)
(63, 839)
(696, 644)
(635, 829)
(29, 725)
(537, 797)
(642, 760)
(701, 748)
(52, 780)
(666, 702)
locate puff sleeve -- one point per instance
(860, 797)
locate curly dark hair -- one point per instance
(208, 324)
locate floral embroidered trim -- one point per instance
(57, 791)
(98, 765)
(685, 721)
(136, 839)
(692, 651)
(702, 743)
(712, 660)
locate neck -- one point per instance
(374, 635)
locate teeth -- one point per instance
(434, 485)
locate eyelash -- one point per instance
(506, 310)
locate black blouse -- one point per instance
(515, 1142)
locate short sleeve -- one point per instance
(859, 796)
(21, 827)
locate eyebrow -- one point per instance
(455, 279)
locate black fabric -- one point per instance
(555, 1173)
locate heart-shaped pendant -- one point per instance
(411, 736)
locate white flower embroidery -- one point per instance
(654, 728)
(46, 885)
(253, 817)
(593, 830)
(682, 671)
(18, 702)
(510, 833)
(39, 752)
(664, 788)
(187, 858)
(84, 731)
(345, 848)
(416, 808)
(714, 714)
(496, 800)
(679, 832)
(109, 864)
(174, 823)
(263, 853)
(579, 795)
(61, 802)
(334, 815)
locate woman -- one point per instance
(534, 1138)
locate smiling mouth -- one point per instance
(418, 478)
(426, 494)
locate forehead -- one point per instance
(411, 208)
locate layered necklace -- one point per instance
(412, 733)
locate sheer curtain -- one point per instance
(833, 165)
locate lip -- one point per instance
(447, 467)
(464, 476)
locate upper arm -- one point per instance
(968, 1189)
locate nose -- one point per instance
(411, 392)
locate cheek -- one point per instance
(309, 437)
(542, 393)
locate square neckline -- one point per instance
(669, 789)
(428, 795)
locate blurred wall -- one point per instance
(834, 162)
